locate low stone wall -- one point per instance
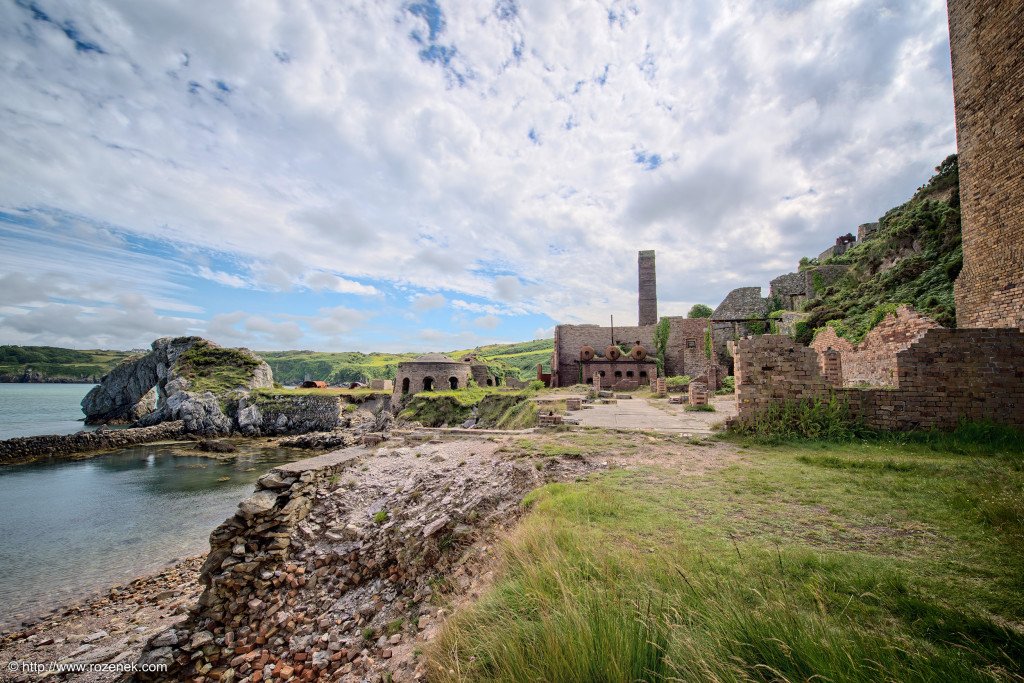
(944, 377)
(26, 449)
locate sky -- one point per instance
(439, 174)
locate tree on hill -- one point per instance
(700, 311)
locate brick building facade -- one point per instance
(987, 46)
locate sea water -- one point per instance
(35, 409)
(71, 527)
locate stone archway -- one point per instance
(453, 382)
(405, 385)
(428, 384)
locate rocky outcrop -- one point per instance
(152, 389)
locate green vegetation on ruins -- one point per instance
(57, 363)
(215, 369)
(891, 558)
(495, 409)
(913, 258)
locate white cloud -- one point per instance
(316, 145)
(486, 322)
(428, 302)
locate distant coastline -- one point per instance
(34, 378)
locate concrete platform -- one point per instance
(656, 414)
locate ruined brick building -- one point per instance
(438, 372)
(583, 351)
(929, 376)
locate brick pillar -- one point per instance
(597, 381)
(698, 394)
(832, 367)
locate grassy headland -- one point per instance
(57, 363)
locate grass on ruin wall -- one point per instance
(812, 561)
(495, 409)
(926, 230)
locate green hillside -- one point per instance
(913, 258)
(507, 360)
(57, 363)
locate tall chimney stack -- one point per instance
(648, 289)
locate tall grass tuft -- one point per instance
(578, 601)
(829, 420)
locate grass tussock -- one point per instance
(866, 561)
(826, 420)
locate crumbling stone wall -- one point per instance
(28, 448)
(943, 377)
(873, 361)
(335, 547)
(866, 230)
(987, 46)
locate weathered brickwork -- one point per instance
(944, 377)
(873, 361)
(648, 289)
(987, 47)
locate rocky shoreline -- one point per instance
(109, 628)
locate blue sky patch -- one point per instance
(649, 161)
(430, 12)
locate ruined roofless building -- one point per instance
(986, 40)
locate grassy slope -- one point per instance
(930, 223)
(60, 363)
(860, 562)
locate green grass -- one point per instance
(886, 559)
(215, 369)
(495, 409)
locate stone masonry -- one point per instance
(987, 46)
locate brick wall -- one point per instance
(873, 361)
(987, 47)
(945, 376)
